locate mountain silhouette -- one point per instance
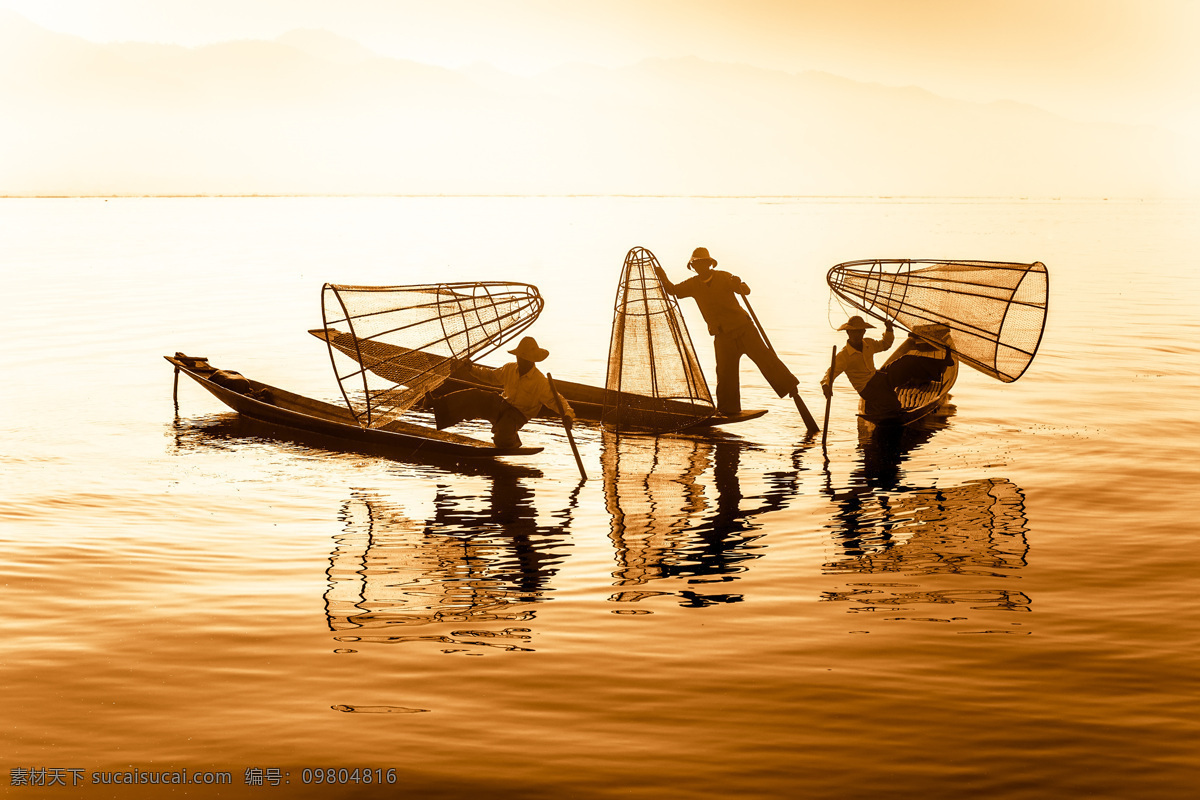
(316, 113)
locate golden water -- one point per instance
(1000, 604)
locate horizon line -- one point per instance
(430, 195)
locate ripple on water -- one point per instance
(349, 709)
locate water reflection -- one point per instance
(882, 449)
(678, 511)
(943, 552)
(476, 560)
(230, 432)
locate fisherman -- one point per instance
(734, 332)
(878, 388)
(524, 391)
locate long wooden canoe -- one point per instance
(335, 425)
(587, 401)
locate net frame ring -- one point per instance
(838, 278)
(526, 305)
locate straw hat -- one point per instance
(701, 254)
(528, 349)
(856, 323)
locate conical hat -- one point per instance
(528, 349)
(856, 323)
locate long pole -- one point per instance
(566, 427)
(829, 397)
(809, 422)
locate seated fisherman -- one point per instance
(524, 391)
(878, 387)
(734, 332)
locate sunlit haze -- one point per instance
(1067, 97)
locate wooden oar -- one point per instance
(809, 422)
(829, 397)
(566, 427)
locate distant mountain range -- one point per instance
(314, 113)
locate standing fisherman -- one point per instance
(734, 332)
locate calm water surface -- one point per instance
(999, 604)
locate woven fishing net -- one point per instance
(996, 311)
(654, 382)
(404, 341)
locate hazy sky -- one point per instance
(1094, 60)
(760, 113)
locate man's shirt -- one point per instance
(859, 365)
(716, 295)
(529, 392)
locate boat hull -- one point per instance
(286, 410)
(917, 401)
(586, 401)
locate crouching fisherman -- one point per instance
(524, 390)
(878, 388)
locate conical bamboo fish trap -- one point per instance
(995, 310)
(404, 341)
(654, 381)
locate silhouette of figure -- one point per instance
(878, 387)
(733, 330)
(525, 390)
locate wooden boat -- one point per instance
(336, 425)
(587, 401)
(919, 400)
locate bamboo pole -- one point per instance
(566, 427)
(809, 422)
(829, 397)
